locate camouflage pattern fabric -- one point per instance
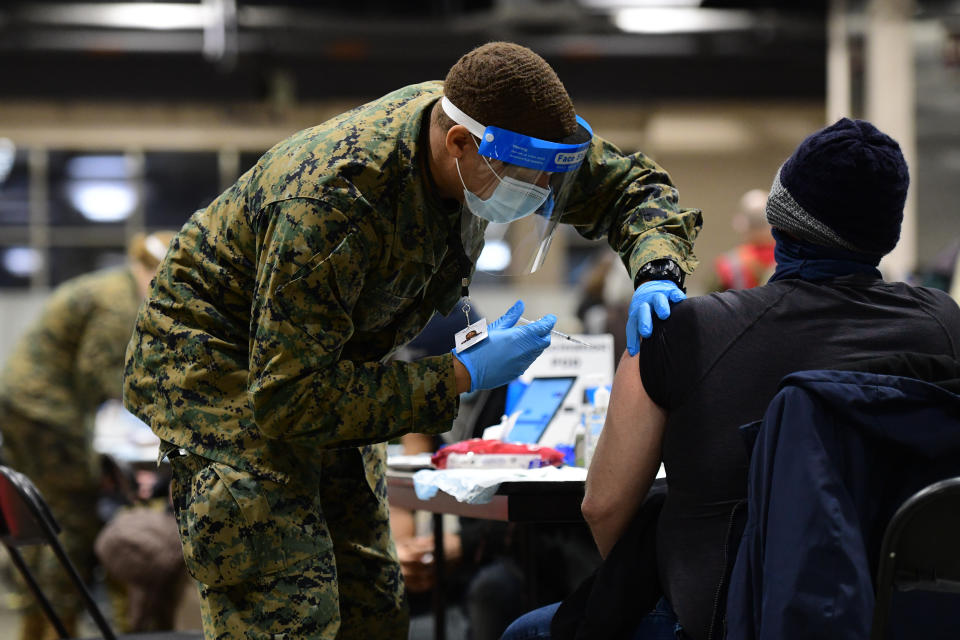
(59, 372)
(265, 341)
(71, 360)
(320, 566)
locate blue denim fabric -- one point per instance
(534, 624)
(659, 624)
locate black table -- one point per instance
(525, 502)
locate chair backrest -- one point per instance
(921, 548)
(25, 519)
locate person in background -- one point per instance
(261, 358)
(139, 548)
(59, 372)
(750, 263)
(606, 295)
(836, 207)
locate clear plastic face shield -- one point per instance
(514, 197)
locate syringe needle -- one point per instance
(577, 340)
(523, 321)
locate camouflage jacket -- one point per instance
(71, 360)
(271, 320)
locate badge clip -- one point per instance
(470, 335)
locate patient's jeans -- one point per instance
(659, 624)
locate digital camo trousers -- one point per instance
(310, 559)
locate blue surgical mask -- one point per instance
(511, 200)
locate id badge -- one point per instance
(470, 335)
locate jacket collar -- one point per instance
(423, 221)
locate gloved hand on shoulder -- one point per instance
(658, 294)
(507, 351)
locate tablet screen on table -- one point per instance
(537, 406)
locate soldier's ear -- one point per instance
(459, 141)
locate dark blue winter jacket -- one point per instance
(836, 453)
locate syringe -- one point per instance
(524, 321)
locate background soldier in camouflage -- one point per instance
(261, 356)
(59, 373)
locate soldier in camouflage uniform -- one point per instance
(261, 356)
(57, 376)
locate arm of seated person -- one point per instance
(402, 524)
(626, 459)
(416, 553)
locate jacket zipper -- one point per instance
(723, 576)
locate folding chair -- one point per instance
(921, 549)
(25, 520)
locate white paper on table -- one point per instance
(478, 486)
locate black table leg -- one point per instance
(439, 567)
(527, 532)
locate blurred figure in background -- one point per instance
(140, 549)
(606, 290)
(751, 263)
(57, 376)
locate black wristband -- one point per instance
(661, 269)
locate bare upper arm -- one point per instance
(627, 456)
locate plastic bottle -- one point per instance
(579, 448)
(595, 419)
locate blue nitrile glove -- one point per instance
(659, 294)
(507, 351)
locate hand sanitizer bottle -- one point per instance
(595, 420)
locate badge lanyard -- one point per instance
(477, 331)
(472, 333)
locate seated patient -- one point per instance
(836, 206)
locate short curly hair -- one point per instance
(509, 86)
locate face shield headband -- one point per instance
(527, 175)
(517, 149)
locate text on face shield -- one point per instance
(569, 158)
